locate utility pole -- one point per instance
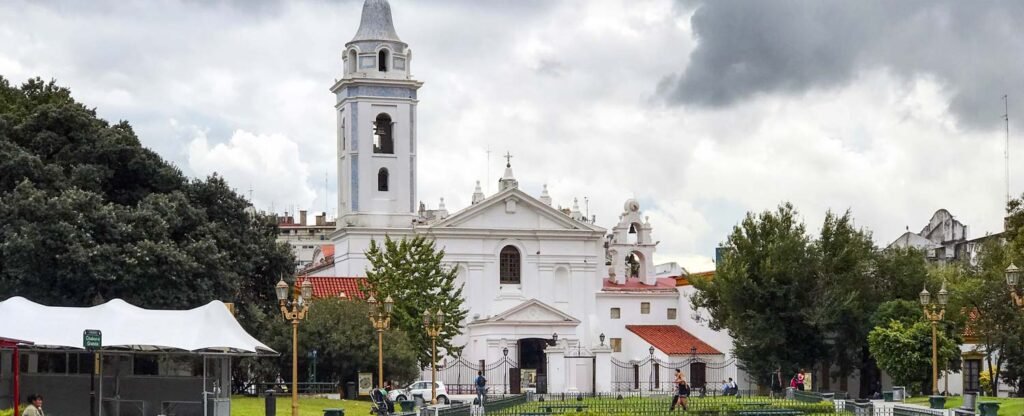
(1006, 151)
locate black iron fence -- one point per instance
(302, 387)
(867, 408)
(659, 404)
(653, 375)
(459, 375)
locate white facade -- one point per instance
(529, 270)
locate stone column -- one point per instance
(556, 368)
(603, 368)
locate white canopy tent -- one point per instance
(207, 329)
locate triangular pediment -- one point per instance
(513, 209)
(534, 311)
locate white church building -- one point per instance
(543, 287)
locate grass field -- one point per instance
(1014, 406)
(308, 406)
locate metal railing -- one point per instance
(657, 405)
(303, 387)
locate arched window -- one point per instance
(383, 142)
(352, 64)
(509, 265)
(382, 180)
(382, 60)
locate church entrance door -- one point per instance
(533, 364)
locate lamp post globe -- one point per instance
(943, 295)
(1012, 275)
(307, 290)
(281, 290)
(601, 337)
(925, 297)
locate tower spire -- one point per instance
(376, 22)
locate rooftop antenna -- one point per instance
(1006, 151)
(488, 169)
(586, 203)
(250, 193)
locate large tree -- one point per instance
(412, 272)
(87, 214)
(763, 293)
(846, 297)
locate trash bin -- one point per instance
(899, 393)
(350, 390)
(937, 402)
(270, 402)
(887, 396)
(334, 412)
(970, 401)
(988, 408)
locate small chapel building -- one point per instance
(539, 283)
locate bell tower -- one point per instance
(376, 129)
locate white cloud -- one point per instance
(268, 164)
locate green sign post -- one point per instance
(92, 340)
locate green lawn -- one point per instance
(1014, 406)
(308, 406)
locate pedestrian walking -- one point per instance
(682, 392)
(481, 387)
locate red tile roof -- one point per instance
(329, 287)
(685, 279)
(671, 339)
(633, 284)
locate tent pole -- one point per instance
(17, 380)
(99, 370)
(206, 405)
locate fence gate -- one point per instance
(655, 375)
(459, 375)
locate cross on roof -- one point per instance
(508, 159)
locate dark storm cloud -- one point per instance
(747, 48)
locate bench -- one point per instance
(549, 408)
(770, 412)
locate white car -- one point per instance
(419, 388)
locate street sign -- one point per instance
(92, 339)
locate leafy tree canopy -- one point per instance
(410, 270)
(905, 352)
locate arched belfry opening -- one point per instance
(351, 65)
(382, 60)
(383, 140)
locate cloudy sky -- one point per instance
(700, 110)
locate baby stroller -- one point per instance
(382, 405)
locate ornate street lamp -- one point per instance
(433, 322)
(504, 366)
(935, 312)
(294, 310)
(1012, 278)
(381, 320)
(650, 383)
(601, 337)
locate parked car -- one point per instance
(419, 388)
